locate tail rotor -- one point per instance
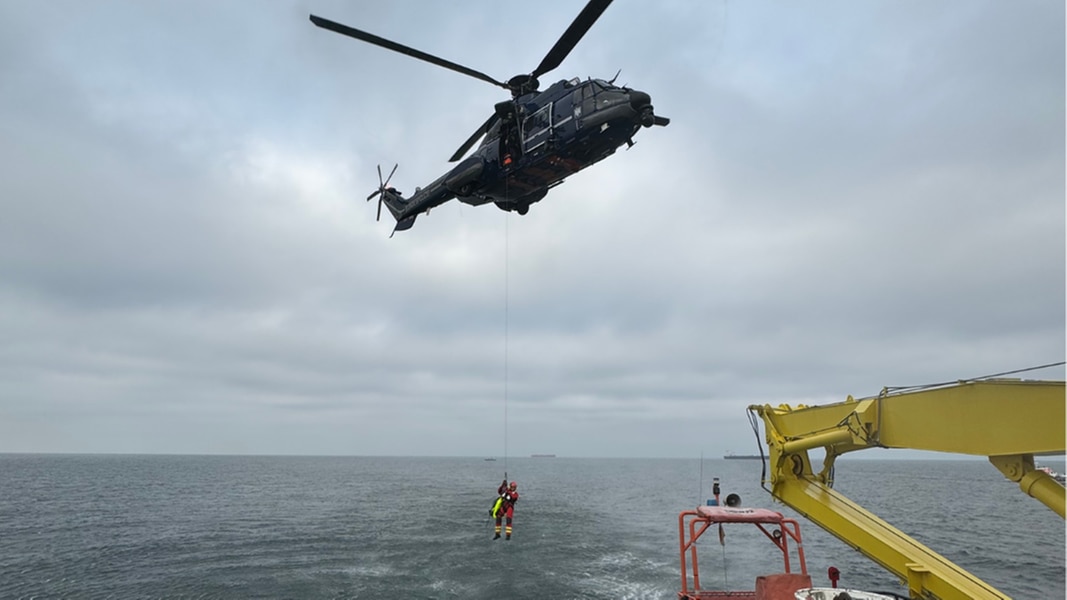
(382, 186)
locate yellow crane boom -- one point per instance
(1008, 420)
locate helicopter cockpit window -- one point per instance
(589, 93)
(536, 128)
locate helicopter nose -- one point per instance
(639, 100)
(642, 105)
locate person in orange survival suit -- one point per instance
(506, 507)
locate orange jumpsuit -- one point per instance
(507, 507)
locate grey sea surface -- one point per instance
(125, 526)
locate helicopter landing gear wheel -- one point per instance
(465, 190)
(522, 209)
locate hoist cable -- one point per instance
(506, 318)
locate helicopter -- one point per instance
(531, 142)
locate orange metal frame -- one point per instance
(779, 534)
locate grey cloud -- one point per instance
(849, 196)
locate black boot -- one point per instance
(509, 537)
(497, 536)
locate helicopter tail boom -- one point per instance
(397, 206)
(393, 200)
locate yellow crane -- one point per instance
(1008, 420)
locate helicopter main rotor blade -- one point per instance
(390, 45)
(570, 38)
(477, 135)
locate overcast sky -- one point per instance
(850, 195)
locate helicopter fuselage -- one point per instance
(536, 142)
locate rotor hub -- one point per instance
(523, 84)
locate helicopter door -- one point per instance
(536, 127)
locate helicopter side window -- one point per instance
(536, 128)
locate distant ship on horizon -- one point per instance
(542, 456)
(731, 455)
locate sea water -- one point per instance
(121, 526)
